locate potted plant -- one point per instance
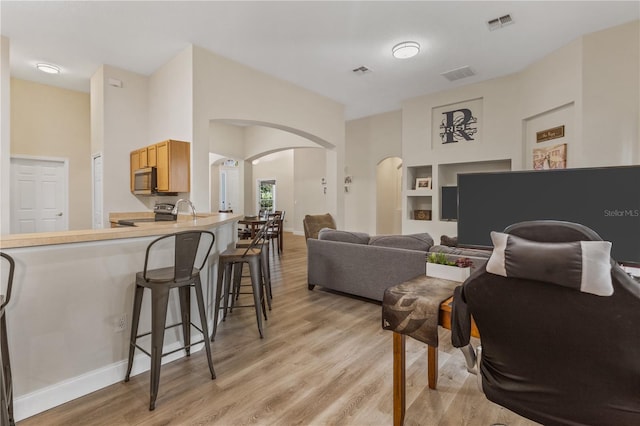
(439, 266)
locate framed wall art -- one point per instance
(553, 157)
(423, 183)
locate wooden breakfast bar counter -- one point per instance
(69, 317)
(202, 221)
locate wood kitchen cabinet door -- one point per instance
(134, 165)
(143, 158)
(173, 166)
(151, 156)
(162, 166)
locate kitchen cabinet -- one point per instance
(151, 156)
(173, 164)
(143, 158)
(172, 161)
(135, 165)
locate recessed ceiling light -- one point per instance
(406, 49)
(48, 68)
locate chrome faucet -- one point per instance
(177, 206)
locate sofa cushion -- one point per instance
(581, 265)
(328, 234)
(460, 251)
(421, 242)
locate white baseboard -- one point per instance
(298, 233)
(46, 398)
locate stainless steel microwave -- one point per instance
(145, 181)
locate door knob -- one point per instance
(59, 214)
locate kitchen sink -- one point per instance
(132, 222)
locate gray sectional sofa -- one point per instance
(363, 265)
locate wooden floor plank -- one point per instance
(324, 360)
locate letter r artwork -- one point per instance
(457, 125)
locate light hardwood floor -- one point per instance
(324, 360)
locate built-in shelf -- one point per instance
(448, 173)
(418, 172)
(419, 207)
(427, 201)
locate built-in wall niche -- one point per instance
(448, 181)
(419, 207)
(417, 174)
(448, 173)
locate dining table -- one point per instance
(253, 223)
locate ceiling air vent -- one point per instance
(458, 73)
(500, 22)
(361, 70)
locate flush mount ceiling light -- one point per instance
(48, 68)
(406, 49)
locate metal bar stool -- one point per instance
(6, 382)
(266, 268)
(187, 245)
(229, 265)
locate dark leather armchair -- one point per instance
(557, 346)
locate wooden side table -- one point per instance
(413, 291)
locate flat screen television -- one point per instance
(604, 199)
(449, 203)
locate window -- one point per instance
(267, 195)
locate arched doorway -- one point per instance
(297, 161)
(389, 196)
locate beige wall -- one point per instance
(389, 196)
(259, 140)
(171, 100)
(226, 140)
(369, 141)
(595, 78)
(226, 90)
(124, 123)
(47, 121)
(278, 166)
(611, 105)
(5, 136)
(310, 165)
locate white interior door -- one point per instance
(38, 195)
(229, 188)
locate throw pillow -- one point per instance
(580, 265)
(449, 241)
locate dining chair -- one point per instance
(274, 232)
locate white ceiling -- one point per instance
(311, 44)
